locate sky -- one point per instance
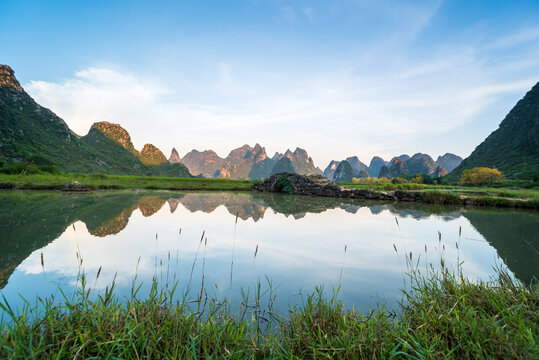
(337, 78)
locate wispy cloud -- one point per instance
(381, 95)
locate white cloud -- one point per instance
(382, 100)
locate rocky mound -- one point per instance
(151, 155)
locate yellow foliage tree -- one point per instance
(480, 175)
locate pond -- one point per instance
(228, 243)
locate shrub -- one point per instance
(480, 176)
(23, 168)
(283, 185)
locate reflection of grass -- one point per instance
(442, 316)
(99, 181)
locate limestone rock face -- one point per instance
(116, 133)
(330, 169)
(151, 155)
(8, 79)
(356, 164)
(439, 171)
(205, 163)
(403, 157)
(300, 161)
(174, 157)
(385, 172)
(363, 174)
(284, 165)
(344, 172)
(376, 165)
(421, 164)
(398, 168)
(246, 163)
(449, 161)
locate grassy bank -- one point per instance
(45, 181)
(442, 317)
(433, 194)
(463, 195)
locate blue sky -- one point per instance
(338, 78)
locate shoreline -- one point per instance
(399, 193)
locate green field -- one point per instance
(99, 181)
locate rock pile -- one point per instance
(318, 185)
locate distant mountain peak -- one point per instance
(151, 155)
(174, 157)
(116, 133)
(8, 79)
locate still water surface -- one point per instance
(299, 243)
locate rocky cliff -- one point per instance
(398, 168)
(300, 161)
(8, 79)
(246, 163)
(330, 169)
(151, 155)
(356, 164)
(344, 172)
(205, 163)
(174, 157)
(449, 161)
(376, 165)
(116, 133)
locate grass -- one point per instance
(434, 194)
(100, 181)
(442, 316)
(462, 195)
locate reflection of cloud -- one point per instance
(313, 245)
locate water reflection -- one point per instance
(301, 238)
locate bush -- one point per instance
(283, 185)
(480, 176)
(23, 168)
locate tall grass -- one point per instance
(443, 315)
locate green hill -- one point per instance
(514, 147)
(30, 132)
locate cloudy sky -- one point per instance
(338, 78)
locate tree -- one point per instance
(480, 175)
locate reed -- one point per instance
(443, 315)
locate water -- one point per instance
(299, 243)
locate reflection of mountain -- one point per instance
(32, 220)
(148, 205)
(514, 236)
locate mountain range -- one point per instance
(30, 132)
(398, 166)
(245, 162)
